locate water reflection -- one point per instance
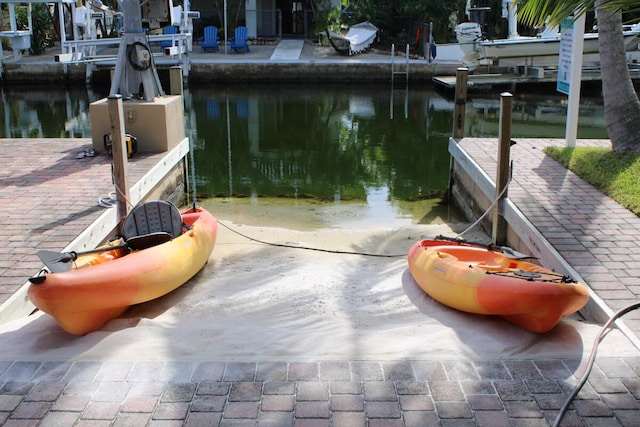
(39, 113)
(536, 116)
(328, 143)
(325, 143)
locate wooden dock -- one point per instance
(529, 76)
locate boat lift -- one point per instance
(85, 45)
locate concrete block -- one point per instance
(158, 125)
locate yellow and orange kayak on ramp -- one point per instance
(101, 286)
(475, 279)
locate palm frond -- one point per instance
(537, 12)
(553, 12)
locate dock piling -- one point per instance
(499, 226)
(175, 80)
(460, 102)
(116, 116)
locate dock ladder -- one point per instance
(393, 63)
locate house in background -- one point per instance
(263, 18)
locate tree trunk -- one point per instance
(621, 104)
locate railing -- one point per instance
(395, 71)
(87, 50)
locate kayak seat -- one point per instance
(152, 218)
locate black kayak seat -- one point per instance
(154, 217)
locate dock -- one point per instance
(49, 199)
(273, 62)
(528, 76)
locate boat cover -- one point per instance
(360, 36)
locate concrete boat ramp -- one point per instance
(280, 336)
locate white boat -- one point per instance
(357, 39)
(477, 48)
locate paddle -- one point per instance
(507, 251)
(58, 262)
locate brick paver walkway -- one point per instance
(330, 393)
(47, 198)
(597, 237)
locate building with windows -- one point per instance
(263, 18)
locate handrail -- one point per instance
(76, 48)
(393, 70)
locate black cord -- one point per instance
(591, 360)
(153, 61)
(136, 65)
(283, 245)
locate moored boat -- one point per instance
(489, 281)
(356, 40)
(478, 46)
(102, 284)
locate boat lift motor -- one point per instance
(135, 74)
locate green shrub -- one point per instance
(41, 23)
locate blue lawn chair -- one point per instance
(210, 40)
(172, 29)
(239, 42)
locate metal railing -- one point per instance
(87, 50)
(402, 70)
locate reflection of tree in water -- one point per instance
(322, 142)
(408, 156)
(317, 141)
(33, 112)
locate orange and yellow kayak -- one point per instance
(478, 280)
(101, 286)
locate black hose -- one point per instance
(283, 245)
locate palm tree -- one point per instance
(621, 104)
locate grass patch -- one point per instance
(615, 174)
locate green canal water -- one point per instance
(352, 153)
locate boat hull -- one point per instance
(101, 288)
(537, 46)
(477, 280)
(529, 46)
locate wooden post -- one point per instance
(460, 102)
(116, 116)
(499, 229)
(175, 80)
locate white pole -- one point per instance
(229, 150)
(63, 31)
(512, 19)
(12, 17)
(576, 79)
(226, 50)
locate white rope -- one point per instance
(108, 200)
(112, 198)
(122, 194)
(489, 208)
